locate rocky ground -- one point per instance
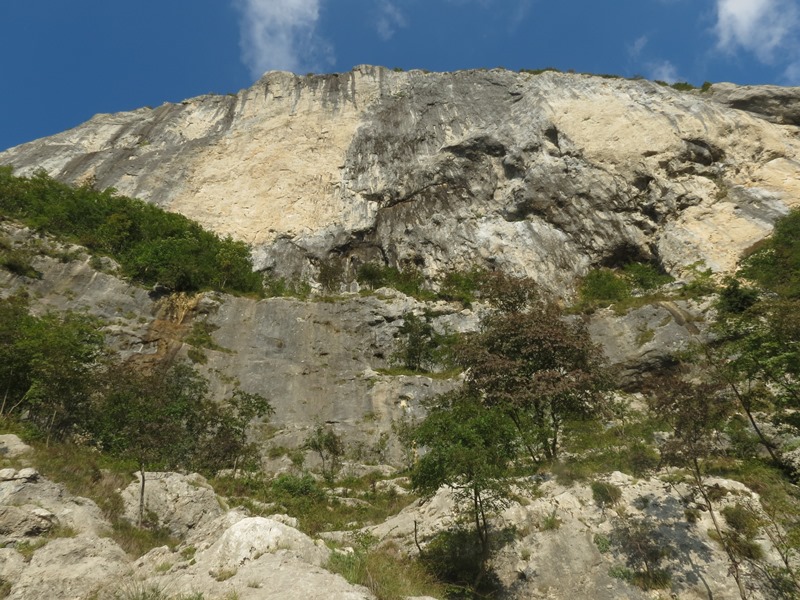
(56, 546)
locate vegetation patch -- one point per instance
(385, 571)
(636, 284)
(152, 245)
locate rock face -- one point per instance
(314, 361)
(543, 175)
(563, 544)
(179, 502)
(55, 546)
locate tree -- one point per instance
(164, 419)
(419, 343)
(537, 367)
(757, 354)
(471, 449)
(229, 424)
(695, 412)
(48, 365)
(330, 448)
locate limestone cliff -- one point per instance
(541, 174)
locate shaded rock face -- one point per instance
(775, 103)
(314, 361)
(543, 175)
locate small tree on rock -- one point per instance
(539, 368)
(164, 419)
(471, 449)
(330, 448)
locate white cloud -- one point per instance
(389, 19)
(279, 34)
(520, 13)
(635, 49)
(663, 70)
(758, 26)
(792, 73)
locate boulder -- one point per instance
(251, 538)
(42, 500)
(179, 502)
(12, 447)
(70, 568)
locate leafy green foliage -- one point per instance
(301, 496)
(164, 419)
(469, 448)
(645, 276)
(331, 274)
(744, 525)
(330, 448)
(281, 287)
(385, 571)
(152, 245)
(47, 366)
(602, 287)
(735, 298)
(775, 264)
(409, 280)
(509, 294)
(461, 286)
(420, 348)
(17, 261)
(537, 367)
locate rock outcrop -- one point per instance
(56, 546)
(562, 543)
(540, 174)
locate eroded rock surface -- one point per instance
(542, 175)
(178, 502)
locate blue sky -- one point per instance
(65, 61)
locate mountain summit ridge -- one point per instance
(543, 175)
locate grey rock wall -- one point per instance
(542, 175)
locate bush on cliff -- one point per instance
(152, 245)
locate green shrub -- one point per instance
(683, 86)
(775, 263)
(385, 572)
(18, 263)
(692, 515)
(602, 286)
(602, 542)
(286, 485)
(331, 274)
(152, 245)
(409, 280)
(735, 299)
(461, 286)
(744, 526)
(701, 281)
(605, 494)
(138, 541)
(645, 276)
(550, 522)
